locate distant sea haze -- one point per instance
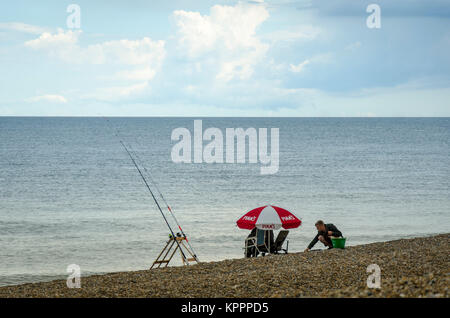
(70, 195)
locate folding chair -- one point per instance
(262, 243)
(278, 245)
(264, 238)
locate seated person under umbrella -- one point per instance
(324, 234)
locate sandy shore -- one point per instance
(416, 267)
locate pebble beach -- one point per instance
(418, 267)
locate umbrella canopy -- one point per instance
(268, 217)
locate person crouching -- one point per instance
(324, 234)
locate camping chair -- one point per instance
(278, 245)
(263, 241)
(257, 244)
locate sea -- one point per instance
(70, 194)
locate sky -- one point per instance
(224, 58)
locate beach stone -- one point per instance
(416, 267)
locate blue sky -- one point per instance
(225, 58)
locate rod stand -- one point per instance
(167, 253)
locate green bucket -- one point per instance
(338, 242)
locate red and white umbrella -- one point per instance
(268, 217)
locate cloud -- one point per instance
(226, 38)
(23, 27)
(47, 98)
(65, 45)
(131, 60)
(319, 58)
(61, 44)
(298, 68)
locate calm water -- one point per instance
(69, 193)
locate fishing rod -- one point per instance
(165, 201)
(155, 184)
(153, 196)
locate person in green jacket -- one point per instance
(324, 234)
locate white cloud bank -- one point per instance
(227, 36)
(65, 45)
(142, 58)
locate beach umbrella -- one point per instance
(268, 217)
